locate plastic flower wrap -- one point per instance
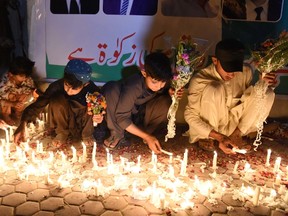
(188, 58)
(272, 54)
(96, 104)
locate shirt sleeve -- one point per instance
(31, 112)
(130, 91)
(192, 110)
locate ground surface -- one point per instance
(116, 187)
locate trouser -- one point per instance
(69, 118)
(245, 115)
(149, 117)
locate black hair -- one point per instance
(70, 79)
(21, 66)
(157, 65)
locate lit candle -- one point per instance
(236, 167)
(185, 158)
(94, 162)
(107, 156)
(256, 196)
(171, 158)
(51, 157)
(273, 194)
(10, 133)
(63, 156)
(74, 153)
(268, 158)
(155, 163)
(94, 151)
(277, 164)
(139, 161)
(33, 157)
(214, 166)
(84, 154)
(278, 179)
(171, 172)
(32, 127)
(39, 147)
(48, 180)
(6, 135)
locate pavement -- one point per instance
(131, 181)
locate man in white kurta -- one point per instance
(222, 103)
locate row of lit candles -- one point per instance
(110, 164)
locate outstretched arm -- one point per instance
(152, 141)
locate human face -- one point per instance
(153, 84)
(70, 91)
(226, 76)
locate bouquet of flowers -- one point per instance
(272, 54)
(96, 104)
(188, 58)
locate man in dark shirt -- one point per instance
(67, 110)
(126, 98)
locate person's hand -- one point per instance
(99, 117)
(226, 144)
(19, 134)
(19, 105)
(179, 93)
(3, 124)
(153, 144)
(270, 79)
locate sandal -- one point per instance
(206, 145)
(114, 142)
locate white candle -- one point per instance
(155, 160)
(32, 127)
(278, 179)
(94, 151)
(33, 157)
(94, 162)
(185, 157)
(256, 196)
(84, 154)
(273, 194)
(171, 172)
(10, 133)
(235, 170)
(214, 166)
(39, 147)
(171, 158)
(268, 158)
(63, 156)
(277, 164)
(107, 156)
(139, 161)
(74, 153)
